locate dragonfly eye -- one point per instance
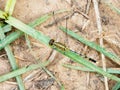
(51, 42)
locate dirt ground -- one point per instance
(83, 22)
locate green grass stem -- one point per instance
(7, 28)
(12, 61)
(13, 36)
(93, 45)
(109, 70)
(10, 38)
(22, 70)
(114, 8)
(28, 30)
(76, 58)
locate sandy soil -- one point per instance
(82, 22)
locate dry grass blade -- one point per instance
(99, 26)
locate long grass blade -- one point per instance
(75, 57)
(109, 70)
(112, 56)
(28, 30)
(22, 70)
(13, 36)
(12, 61)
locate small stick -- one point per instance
(80, 12)
(88, 7)
(57, 20)
(99, 26)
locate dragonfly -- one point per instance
(63, 47)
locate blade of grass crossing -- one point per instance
(7, 40)
(12, 61)
(13, 36)
(40, 40)
(22, 70)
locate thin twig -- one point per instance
(86, 22)
(52, 56)
(101, 39)
(77, 10)
(88, 7)
(57, 20)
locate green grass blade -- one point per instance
(40, 20)
(117, 86)
(17, 34)
(112, 6)
(9, 7)
(112, 56)
(8, 51)
(28, 30)
(78, 68)
(44, 39)
(75, 57)
(22, 70)
(12, 61)
(35, 23)
(62, 87)
(7, 28)
(13, 36)
(27, 40)
(109, 70)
